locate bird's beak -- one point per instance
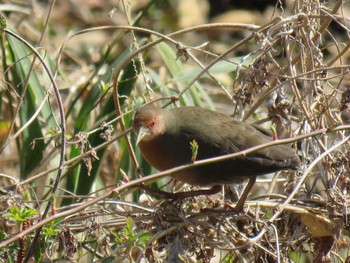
(143, 132)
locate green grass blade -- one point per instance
(30, 154)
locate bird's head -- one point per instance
(148, 123)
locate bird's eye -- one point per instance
(151, 124)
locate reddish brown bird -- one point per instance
(164, 137)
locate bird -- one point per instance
(164, 137)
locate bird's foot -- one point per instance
(236, 209)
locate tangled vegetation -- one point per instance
(75, 71)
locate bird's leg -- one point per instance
(240, 204)
(180, 195)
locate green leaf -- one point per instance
(195, 95)
(30, 154)
(129, 228)
(143, 238)
(110, 259)
(51, 230)
(79, 182)
(39, 251)
(2, 235)
(20, 215)
(221, 67)
(3, 22)
(194, 148)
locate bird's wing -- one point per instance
(218, 134)
(218, 129)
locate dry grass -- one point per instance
(68, 175)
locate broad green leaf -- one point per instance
(30, 149)
(221, 67)
(195, 95)
(3, 22)
(79, 181)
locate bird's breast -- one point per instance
(167, 152)
(164, 153)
